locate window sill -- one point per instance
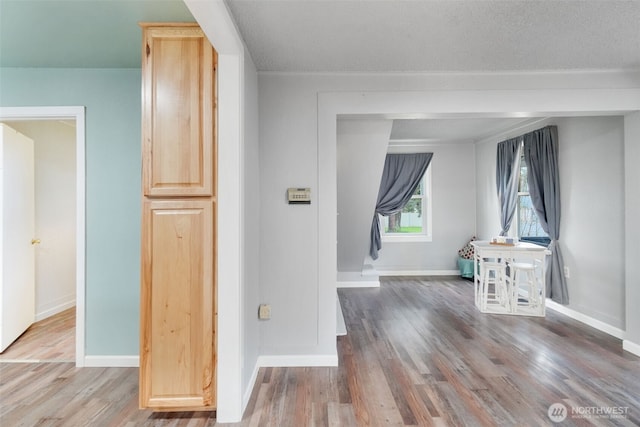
(542, 241)
(406, 238)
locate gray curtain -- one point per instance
(400, 177)
(541, 155)
(507, 177)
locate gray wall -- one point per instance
(361, 150)
(251, 223)
(592, 234)
(632, 229)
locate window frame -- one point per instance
(534, 239)
(427, 213)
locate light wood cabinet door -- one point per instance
(177, 360)
(178, 296)
(178, 111)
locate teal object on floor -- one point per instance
(466, 267)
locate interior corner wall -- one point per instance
(251, 227)
(113, 182)
(453, 213)
(632, 229)
(361, 152)
(592, 185)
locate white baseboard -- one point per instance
(250, 385)
(304, 360)
(587, 320)
(419, 272)
(341, 326)
(358, 284)
(112, 361)
(55, 307)
(631, 347)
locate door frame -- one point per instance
(76, 113)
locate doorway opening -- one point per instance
(73, 120)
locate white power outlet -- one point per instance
(264, 312)
(567, 273)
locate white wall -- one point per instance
(632, 230)
(361, 151)
(288, 233)
(233, 112)
(55, 214)
(251, 228)
(453, 210)
(592, 233)
(298, 116)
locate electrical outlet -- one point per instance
(264, 312)
(567, 273)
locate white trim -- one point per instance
(587, 320)
(112, 361)
(341, 326)
(631, 347)
(59, 306)
(230, 304)
(76, 113)
(406, 237)
(250, 386)
(358, 284)
(393, 273)
(302, 360)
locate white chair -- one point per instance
(494, 292)
(525, 289)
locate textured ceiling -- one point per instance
(347, 36)
(437, 36)
(343, 35)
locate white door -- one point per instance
(17, 205)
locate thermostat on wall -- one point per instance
(299, 196)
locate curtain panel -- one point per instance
(400, 178)
(541, 155)
(507, 177)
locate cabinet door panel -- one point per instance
(178, 112)
(178, 307)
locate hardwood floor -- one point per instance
(52, 339)
(417, 352)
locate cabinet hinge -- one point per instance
(148, 49)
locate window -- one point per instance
(529, 228)
(413, 223)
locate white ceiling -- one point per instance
(436, 36)
(439, 35)
(454, 130)
(348, 36)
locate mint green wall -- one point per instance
(113, 176)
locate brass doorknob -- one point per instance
(35, 241)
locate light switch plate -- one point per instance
(264, 312)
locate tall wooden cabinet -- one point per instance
(178, 283)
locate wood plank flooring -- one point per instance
(417, 352)
(52, 339)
